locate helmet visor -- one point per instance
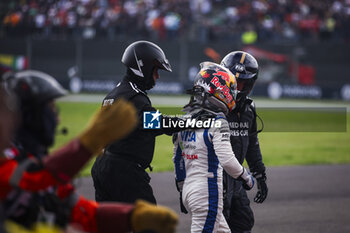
(164, 65)
(245, 86)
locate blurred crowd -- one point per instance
(245, 21)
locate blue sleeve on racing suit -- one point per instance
(179, 162)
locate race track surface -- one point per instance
(303, 199)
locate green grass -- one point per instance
(278, 148)
(303, 119)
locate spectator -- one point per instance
(249, 36)
(280, 20)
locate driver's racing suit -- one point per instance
(199, 157)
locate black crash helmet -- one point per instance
(142, 58)
(245, 68)
(33, 87)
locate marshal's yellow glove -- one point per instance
(149, 217)
(109, 124)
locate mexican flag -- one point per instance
(12, 62)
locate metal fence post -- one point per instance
(29, 51)
(183, 61)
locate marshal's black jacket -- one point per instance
(244, 135)
(139, 145)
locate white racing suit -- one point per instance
(199, 157)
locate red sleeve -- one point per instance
(114, 217)
(35, 181)
(6, 169)
(65, 163)
(91, 216)
(30, 181)
(84, 215)
(61, 166)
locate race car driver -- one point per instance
(201, 155)
(27, 193)
(119, 175)
(245, 144)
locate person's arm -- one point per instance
(223, 150)
(222, 147)
(253, 156)
(254, 160)
(32, 175)
(141, 217)
(179, 163)
(142, 104)
(61, 166)
(180, 170)
(27, 175)
(257, 167)
(13, 174)
(91, 216)
(109, 124)
(168, 131)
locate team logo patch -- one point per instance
(239, 67)
(107, 102)
(151, 120)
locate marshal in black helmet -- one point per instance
(244, 142)
(35, 92)
(245, 68)
(33, 87)
(143, 58)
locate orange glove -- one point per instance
(111, 123)
(147, 216)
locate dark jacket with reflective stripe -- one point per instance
(139, 145)
(244, 137)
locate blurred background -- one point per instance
(303, 49)
(302, 46)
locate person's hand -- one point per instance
(247, 179)
(109, 124)
(262, 187)
(152, 218)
